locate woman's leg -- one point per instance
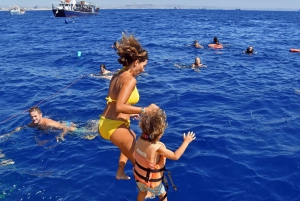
(125, 140)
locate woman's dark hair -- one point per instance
(249, 50)
(216, 40)
(130, 50)
(103, 66)
(153, 124)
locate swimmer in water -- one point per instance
(249, 50)
(197, 45)
(216, 40)
(104, 73)
(197, 63)
(41, 123)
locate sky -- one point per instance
(242, 4)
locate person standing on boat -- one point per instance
(114, 123)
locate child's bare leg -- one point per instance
(141, 196)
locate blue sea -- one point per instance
(244, 109)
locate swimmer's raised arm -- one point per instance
(187, 138)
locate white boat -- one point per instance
(17, 11)
(73, 8)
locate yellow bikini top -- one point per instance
(134, 96)
(133, 99)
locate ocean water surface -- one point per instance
(244, 109)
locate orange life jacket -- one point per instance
(149, 167)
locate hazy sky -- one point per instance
(260, 4)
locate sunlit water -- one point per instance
(243, 108)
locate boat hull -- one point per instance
(17, 13)
(69, 13)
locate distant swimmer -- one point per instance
(104, 73)
(197, 45)
(151, 154)
(41, 123)
(197, 63)
(216, 44)
(249, 50)
(216, 40)
(114, 45)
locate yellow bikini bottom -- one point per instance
(108, 126)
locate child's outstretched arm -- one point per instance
(178, 153)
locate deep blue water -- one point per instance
(243, 108)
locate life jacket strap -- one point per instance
(148, 169)
(146, 179)
(171, 180)
(163, 198)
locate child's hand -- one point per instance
(135, 116)
(189, 137)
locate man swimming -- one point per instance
(41, 123)
(197, 63)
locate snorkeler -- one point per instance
(41, 123)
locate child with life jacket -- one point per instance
(151, 154)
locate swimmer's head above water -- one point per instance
(102, 68)
(216, 40)
(250, 50)
(35, 114)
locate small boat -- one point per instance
(72, 8)
(17, 11)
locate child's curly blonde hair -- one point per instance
(153, 124)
